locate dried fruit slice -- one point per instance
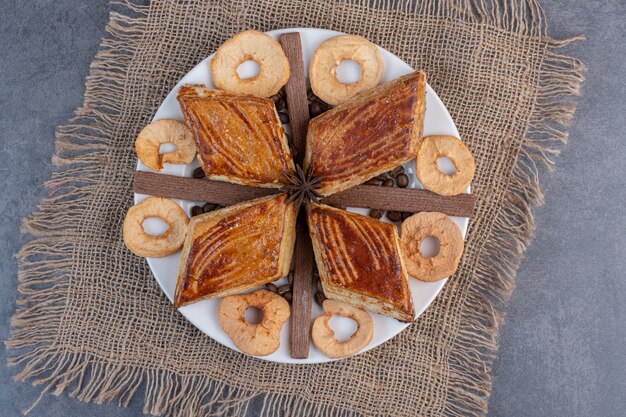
(150, 139)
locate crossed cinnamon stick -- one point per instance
(223, 193)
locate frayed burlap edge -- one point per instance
(46, 261)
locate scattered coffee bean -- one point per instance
(209, 207)
(282, 93)
(389, 183)
(279, 102)
(402, 180)
(319, 286)
(310, 95)
(290, 278)
(283, 289)
(406, 215)
(198, 173)
(394, 216)
(382, 177)
(271, 287)
(377, 214)
(397, 171)
(195, 210)
(284, 117)
(288, 296)
(315, 109)
(374, 181)
(319, 298)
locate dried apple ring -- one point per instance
(330, 54)
(324, 337)
(254, 339)
(434, 147)
(417, 228)
(140, 242)
(250, 46)
(150, 139)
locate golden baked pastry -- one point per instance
(359, 261)
(427, 170)
(250, 46)
(330, 54)
(236, 248)
(368, 135)
(257, 339)
(239, 137)
(324, 337)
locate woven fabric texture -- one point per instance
(93, 323)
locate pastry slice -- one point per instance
(359, 261)
(372, 133)
(239, 137)
(239, 247)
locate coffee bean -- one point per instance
(397, 171)
(319, 298)
(382, 177)
(389, 183)
(315, 109)
(284, 117)
(406, 215)
(279, 102)
(195, 210)
(290, 278)
(198, 173)
(403, 180)
(283, 289)
(209, 207)
(271, 287)
(288, 296)
(310, 95)
(394, 216)
(374, 181)
(282, 93)
(319, 286)
(377, 214)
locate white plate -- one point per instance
(203, 314)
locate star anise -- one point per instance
(303, 186)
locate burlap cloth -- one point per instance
(91, 320)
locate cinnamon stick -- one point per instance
(367, 196)
(302, 287)
(295, 90)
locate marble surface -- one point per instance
(563, 346)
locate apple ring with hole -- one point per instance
(250, 46)
(150, 139)
(258, 339)
(427, 170)
(142, 243)
(324, 337)
(426, 224)
(330, 54)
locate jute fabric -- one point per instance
(91, 320)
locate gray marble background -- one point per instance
(563, 346)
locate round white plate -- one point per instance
(203, 314)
